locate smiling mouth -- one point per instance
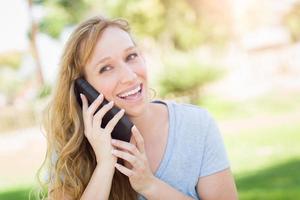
(131, 95)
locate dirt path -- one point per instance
(21, 153)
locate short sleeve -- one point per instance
(214, 157)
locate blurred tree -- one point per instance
(61, 13)
(179, 24)
(11, 59)
(186, 76)
(146, 17)
(34, 50)
(292, 21)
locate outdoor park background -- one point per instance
(240, 59)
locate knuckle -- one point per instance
(98, 116)
(89, 111)
(119, 153)
(109, 126)
(134, 161)
(132, 147)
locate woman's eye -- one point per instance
(105, 68)
(131, 56)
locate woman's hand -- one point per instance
(136, 162)
(99, 138)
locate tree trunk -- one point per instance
(33, 46)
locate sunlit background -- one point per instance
(240, 59)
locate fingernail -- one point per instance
(100, 96)
(113, 141)
(113, 151)
(81, 95)
(111, 102)
(122, 111)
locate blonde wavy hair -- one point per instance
(75, 160)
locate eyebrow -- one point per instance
(109, 57)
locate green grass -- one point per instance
(269, 104)
(266, 162)
(253, 149)
(280, 181)
(21, 193)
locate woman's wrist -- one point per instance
(107, 160)
(106, 165)
(151, 187)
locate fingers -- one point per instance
(94, 105)
(90, 119)
(84, 103)
(139, 139)
(88, 111)
(126, 146)
(86, 119)
(124, 170)
(125, 156)
(112, 123)
(99, 115)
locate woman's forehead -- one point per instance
(112, 39)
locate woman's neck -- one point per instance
(147, 119)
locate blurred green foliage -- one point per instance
(14, 119)
(11, 59)
(61, 13)
(175, 24)
(292, 21)
(10, 85)
(272, 103)
(143, 22)
(44, 91)
(186, 76)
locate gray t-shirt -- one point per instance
(194, 149)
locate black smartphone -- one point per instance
(122, 130)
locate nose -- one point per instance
(127, 74)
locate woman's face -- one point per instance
(118, 71)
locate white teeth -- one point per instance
(130, 92)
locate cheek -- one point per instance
(141, 70)
(107, 87)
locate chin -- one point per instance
(136, 111)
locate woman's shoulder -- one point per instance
(188, 110)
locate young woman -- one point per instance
(175, 152)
